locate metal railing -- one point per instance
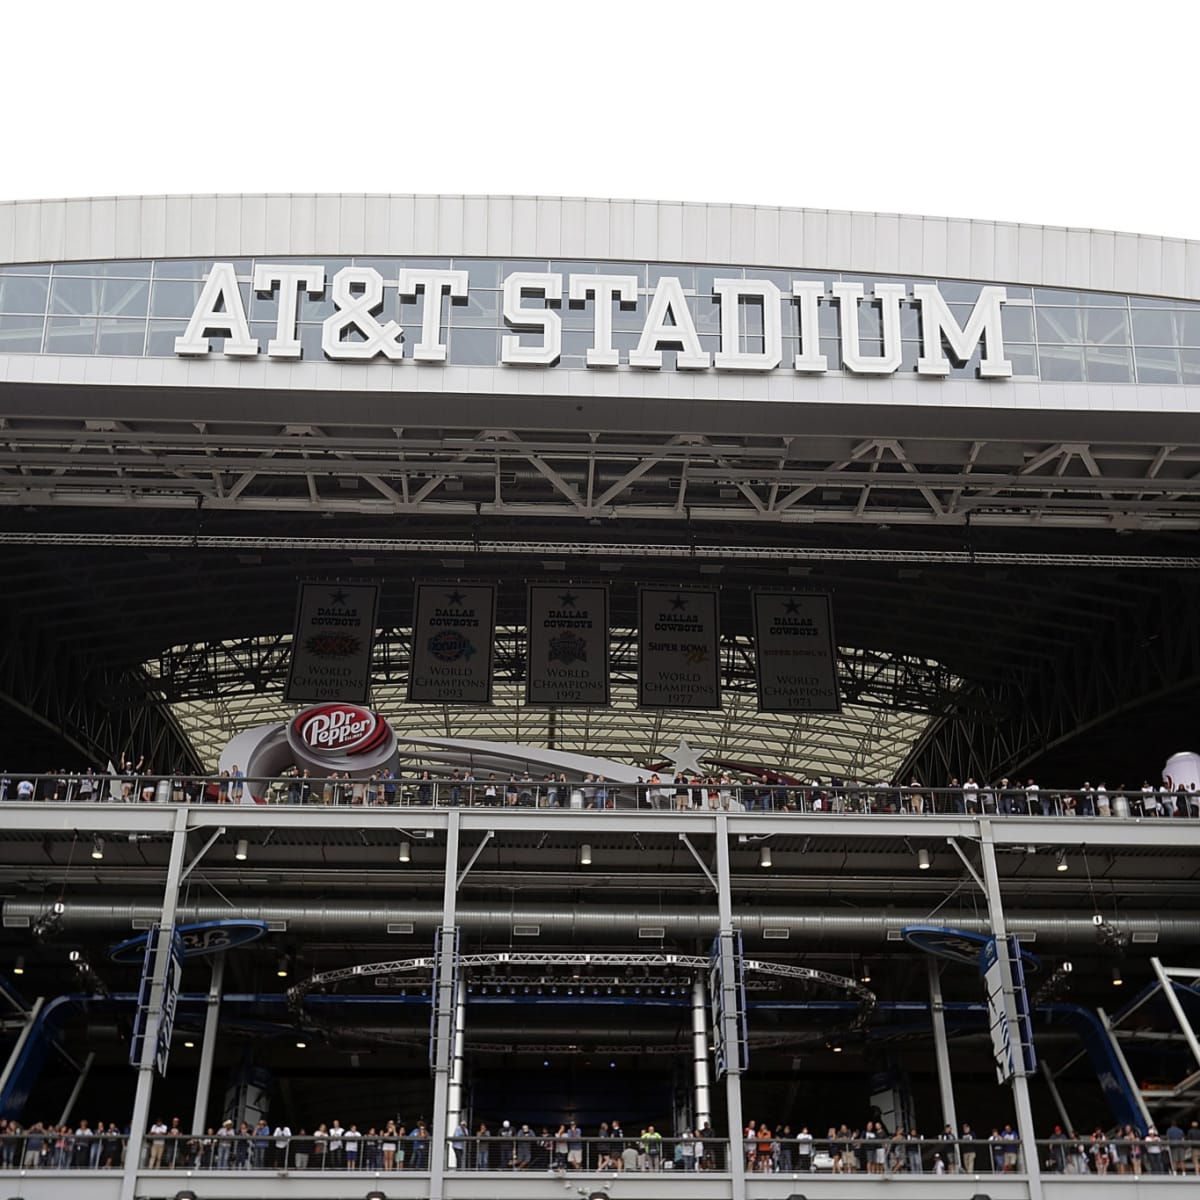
(590, 794)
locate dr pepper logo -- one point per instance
(340, 729)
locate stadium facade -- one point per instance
(972, 444)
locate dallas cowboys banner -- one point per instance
(678, 637)
(454, 628)
(795, 652)
(332, 641)
(566, 645)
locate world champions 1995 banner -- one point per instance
(332, 643)
(567, 645)
(454, 628)
(678, 640)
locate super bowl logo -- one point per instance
(341, 729)
(333, 645)
(568, 648)
(450, 646)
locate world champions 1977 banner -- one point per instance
(566, 645)
(454, 627)
(332, 642)
(678, 640)
(796, 653)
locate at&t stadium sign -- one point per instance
(360, 331)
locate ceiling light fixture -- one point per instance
(405, 852)
(764, 857)
(242, 850)
(585, 855)
(1118, 977)
(1062, 864)
(19, 966)
(924, 862)
(282, 969)
(97, 847)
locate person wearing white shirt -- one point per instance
(336, 1133)
(158, 1143)
(1149, 799)
(353, 1144)
(282, 1137)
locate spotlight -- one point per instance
(866, 973)
(1118, 977)
(189, 1045)
(1062, 864)
(75, 956)
(282, 969)
(837, 1049)
(242, 851)
(19, 966)
(764, 857)
(585, 855)
(301, 1045)
(924, 862)
(97, 847)
(405, 852)
(59, 908)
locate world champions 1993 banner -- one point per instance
(332, 642)
(567, 645)
(454, 628)
(678, 641)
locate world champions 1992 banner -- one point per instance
(567, 645)
(678, 642)
(332, 642)
(795, 653)
(454, 628)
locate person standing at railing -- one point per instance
(261, 1144)
(353, 1147)
(282, 1134)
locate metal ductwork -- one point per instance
(813, 927)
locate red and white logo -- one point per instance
(339, 729)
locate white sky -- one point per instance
(1056, 112)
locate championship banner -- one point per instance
(454, 628)
(566, 645)
(678, 638)
(795, 652)
(332, 642)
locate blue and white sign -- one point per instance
(205, 937)
(958, 945)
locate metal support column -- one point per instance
(208, 1047)
(1119, 1054)
(731, 1032)
(1168, 989)
(454, 1100)
(18, 1049)
(444, 1009)
(941, 1048)
(1056, 1096)
(1025, 1127)
(702, 1105)
(162, 964)
(65, 1116)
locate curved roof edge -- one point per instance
(309, 224)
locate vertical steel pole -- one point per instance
(14, 1058)
(454, 1101)
(702, 1106)
(162, 964)
(444, 1009)
(731, 1032)
(65, 1115)
(208, 1046)
(941, 1048)
(1020, 1086)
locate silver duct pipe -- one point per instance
(813, 927)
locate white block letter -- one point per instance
(810, 357)
(604, 289)
(545, 320)
(938, 322)
(731, 357)
(289, 280)
(435, 284)
(358, 295)
(218, 312)
(889, 296)
(668, 301)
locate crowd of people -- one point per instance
(392, 1145)
(134, 782)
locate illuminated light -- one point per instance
(1062, 864)
(764, 857)
(242, 851)
(585, 855)
(19, 966)
(924, 862)
(97, 847)
(405, 852)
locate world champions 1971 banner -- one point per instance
(567, 645)
(454, 626)
(332, 642)
(795, 652)
(678, 640)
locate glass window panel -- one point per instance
(627, 318)
(484, 272)
(910, 322)
(70, 335)
(114, 336)
(827, 319)
(23, 294)
(1083, 299)
(685, 275)
(832, 349)
(1159, 302)
(75, 296)
(910, 351)
(705, 275)
(958, 290)
(1189, 362)
(1106, 326)
(124, 297)
(1154, 327)
(1188, 324)
(387, 267)
(1018, 291)
(21, 334)
(474, 347)
(510, 265)
(1016, 323)
(178, 299)
(967, 370)
(706, 315)
(26, 269)
(870, 320)
(1023, 359)
(1157, 366)
(1060, 363)
(1059, 325)
(196, 268)
(1109, 364)
(128, 270)
(437, 264)
(575, 345)
(160, 338)
(319, 308)
(482, 307)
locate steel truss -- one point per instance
(598, 476)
